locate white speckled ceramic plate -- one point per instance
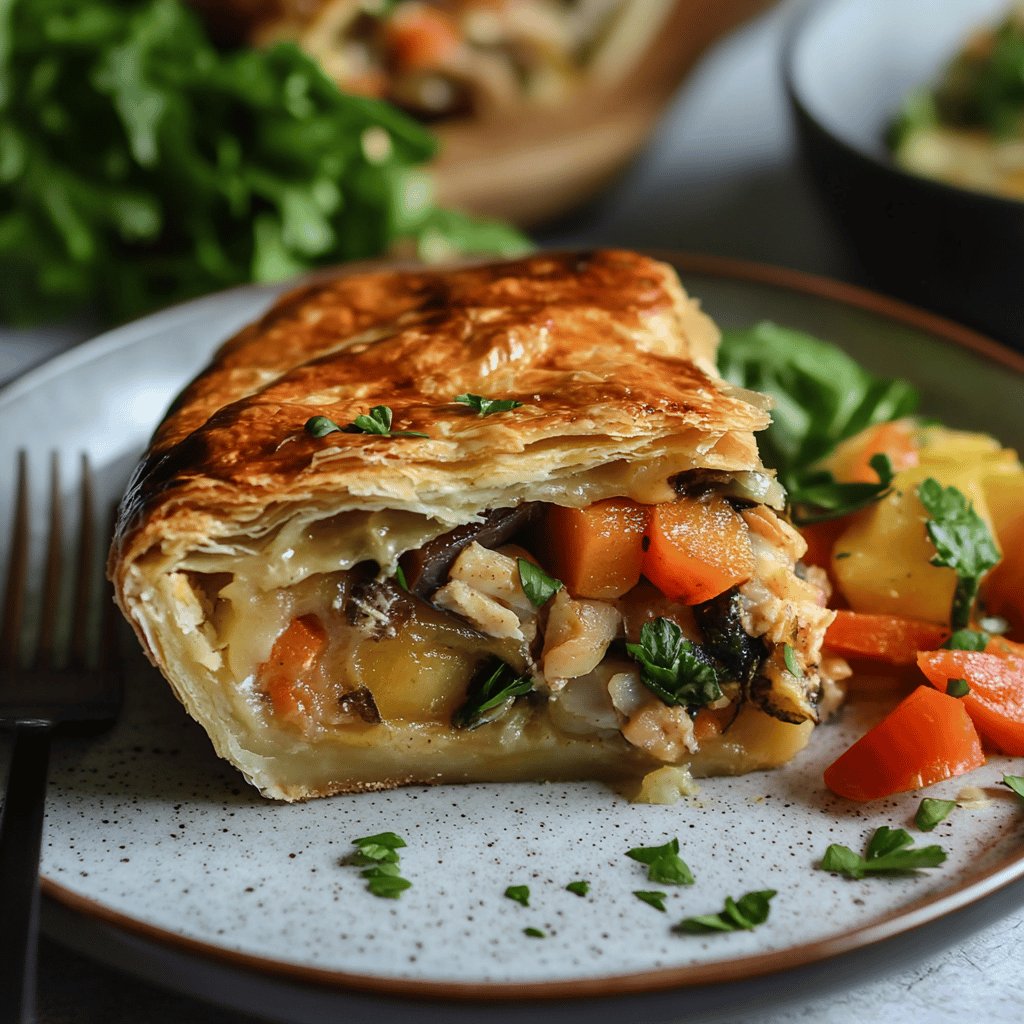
(150, 835)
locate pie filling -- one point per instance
(455, 631)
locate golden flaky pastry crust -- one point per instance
(613, 364)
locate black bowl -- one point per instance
(848, 65)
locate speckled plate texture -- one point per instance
(148, 832)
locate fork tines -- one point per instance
(60, 671)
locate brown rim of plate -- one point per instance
(891, 925)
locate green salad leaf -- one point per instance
(140, 165)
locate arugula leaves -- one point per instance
(743, 914)
(538, 586)
(487, 406)
(664, 865)
(491, 696)
(887, 853)
(674, 668)
(931, 812)
(377, 421)
(962, 542)
(142, 165)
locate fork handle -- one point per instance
(21, 831)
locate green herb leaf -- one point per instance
(580, 888)
(321, 426)
(791, 663)
(664, 865)
(378, 421)
(518, 894)
(384, 880)
(538, 586)
(962, 543)
(400, 578)
(887, 853)
(1016, 783)
(931, 812)
(535, 933)
(652, 898)
(821, 396)
(815, 495)
(487, 406)
(957, 687)
(381, 848)
(674, 668)
(491, 696)
(967, 640)
(743, 914)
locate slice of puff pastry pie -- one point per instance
(501, 522)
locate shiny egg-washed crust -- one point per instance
(612, 361)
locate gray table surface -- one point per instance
(720, 176)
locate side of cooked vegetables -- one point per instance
(924, 561)
(140, 165)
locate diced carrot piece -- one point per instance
(887, 638)
(896, 440)
(995, 700)
(927, 737)
(697, 548)
(420, 37)
(294, 653)
(594, 551)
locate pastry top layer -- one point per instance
(612, 361)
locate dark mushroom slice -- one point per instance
(427, 568)
(739, 653)
(359, 703)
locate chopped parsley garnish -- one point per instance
(491, 696)
(931, 812)
(743, 914)
(791, 663)
(487, 406)
(664, 865)
(400, 578)
(381, 848)
(1016, 783)
(962, 543)
(535, 933)
(674, 668)
(957, 687)
(518, 894)
(380, 853)
(580, 888)
(378, 421)
(321, 426)
(384, 880)
(538, 586)
(967, 640)
(887, 853)
(651, 898)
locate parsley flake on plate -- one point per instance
(931, 812)
(518, 894)
(674, 668)
(664, 865)
(580, 888)
(651, 898)
(487, 406)
(535, 933)
(380, 848)
(538, 586)
(384, 880)
(962, 542)
(380, 853)
(743, 914)
(887, 853)
(1016, 783)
